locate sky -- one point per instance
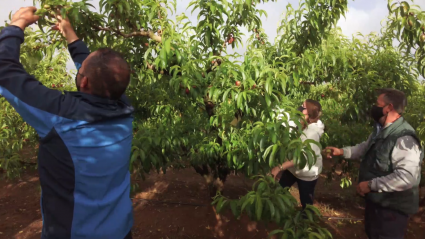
(363, 16)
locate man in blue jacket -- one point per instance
(85, 136)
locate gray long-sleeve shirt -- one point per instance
(406, 164)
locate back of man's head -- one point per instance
(108, 73)
(395, 97)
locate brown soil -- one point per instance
(159, 216)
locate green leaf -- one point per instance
(274, 233)
(259, 207)
(296, 78)
(272, 156)
(245, 203)
(309, 215)
(262, 143)
(167, 45)
(271, 207)
(233, 206)
(267, 152)
(267, 97)
(313, 235)
(220, 204)
(134, 156)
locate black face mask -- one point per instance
(301, 109)
(377, 113)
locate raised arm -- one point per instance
(37, 104)
(77, 48)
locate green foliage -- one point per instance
(196, 105)
(407, 24)
(269, 202)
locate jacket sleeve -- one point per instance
(38, 105)
(406, 164)
(356, 152)
(79, 52)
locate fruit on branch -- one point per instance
(53, 86)
(231, 40)
(254, 86)
(422, 37)
(238, 83)
(328, 153)
(410, 23)
(323, 95)
(46, 6)
(187, 91)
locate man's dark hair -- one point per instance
(108, 73)
(395, 97)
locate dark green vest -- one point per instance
(376, 162)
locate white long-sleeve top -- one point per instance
(313, 131)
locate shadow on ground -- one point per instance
(177, 206)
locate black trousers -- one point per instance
(384, 223)
(129, 236)
(306, 188)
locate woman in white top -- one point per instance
(305, 178)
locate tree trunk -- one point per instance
(422, 202)
(214, 175)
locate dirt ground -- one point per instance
(177, 206)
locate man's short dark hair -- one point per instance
(108, 73)
(395, 97)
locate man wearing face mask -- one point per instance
(85, 136)
(390, 168)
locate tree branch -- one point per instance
(150, 66)
(149, 33)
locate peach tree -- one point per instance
(198, 105)
(195, 103)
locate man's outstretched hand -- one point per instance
(24, 17)
(332, 151)
(65, 28)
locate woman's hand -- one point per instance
(276, 171)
